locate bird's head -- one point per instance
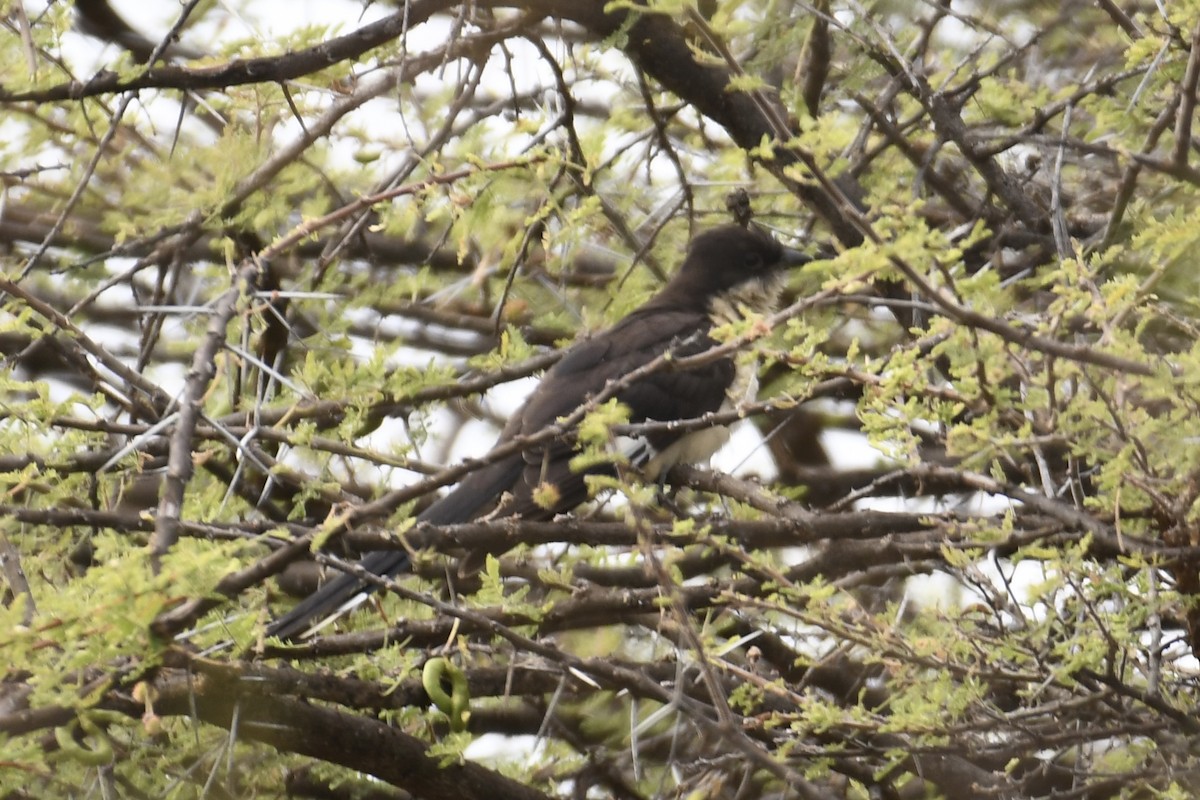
(728, 261)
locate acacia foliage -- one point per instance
(255, 287)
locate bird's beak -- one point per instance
(792, 257)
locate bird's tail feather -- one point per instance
(337, 597)
(346, 591)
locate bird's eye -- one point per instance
(753, 260)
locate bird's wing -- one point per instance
(585, 371)
(640, 338)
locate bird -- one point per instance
(728, 273)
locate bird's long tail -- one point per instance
(346, 592)
(338, 596)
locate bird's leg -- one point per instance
(666, 497)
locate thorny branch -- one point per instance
(733, 635)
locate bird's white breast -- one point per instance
(752, 297)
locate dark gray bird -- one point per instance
(727, 271)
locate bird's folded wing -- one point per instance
(588, 368)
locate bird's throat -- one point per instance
(752, 298)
